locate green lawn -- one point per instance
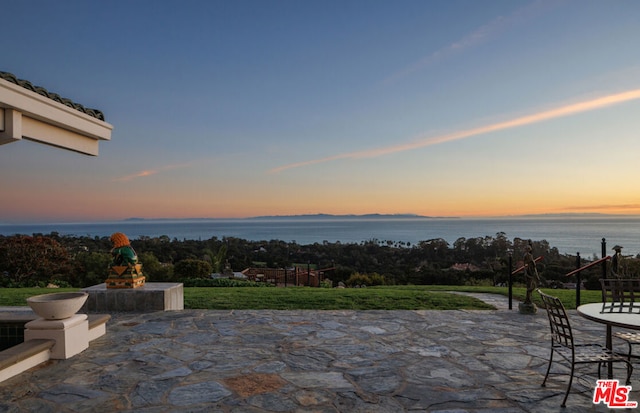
(568, 297)
(18, 296)
(432, 297)
(327, 299)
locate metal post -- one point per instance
(578, 280)
(604, 254)
(286, 264)
(308, 273)
(510, 281)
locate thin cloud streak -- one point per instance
(480, 36)
(563, 111)
(140, 174)
(149, 172)
(602, 207)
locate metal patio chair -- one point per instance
(620, 295)
(563, 344)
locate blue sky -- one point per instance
(245, 108)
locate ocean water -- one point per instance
(569, 235)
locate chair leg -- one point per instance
(629, 372)
(599, 370)
(548, 369)
(566, 395)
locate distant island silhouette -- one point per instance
(301, 216)
(331, 216)
(391, 216)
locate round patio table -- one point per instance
(611, 317)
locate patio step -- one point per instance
(30, 353)
(24, 356)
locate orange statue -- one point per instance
(125, 271)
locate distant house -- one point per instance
(234, 274)
(464, 267)
(33, 113)
(287, 276)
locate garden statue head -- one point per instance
(617, 266)
(122, 252)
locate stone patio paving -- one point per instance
(313, 361)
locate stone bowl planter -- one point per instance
(57, 306)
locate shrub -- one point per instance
(365, 279)
(377, 279)
(91, 268)
(327, 283)
(358, 279)
(153, 269)
(191, 268)
(61, 283)
(29, 260)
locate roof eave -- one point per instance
(29, 115)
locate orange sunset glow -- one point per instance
(517, 108)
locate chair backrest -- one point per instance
(620, 295)
(561, 333)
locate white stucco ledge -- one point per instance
(25, 114)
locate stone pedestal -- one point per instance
(125, 276)
(146, 298)
(70, 334)
(527, 308)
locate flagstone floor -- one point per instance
(313, 361)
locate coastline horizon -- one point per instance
(569, 234)
(562, 215)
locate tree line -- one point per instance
(75, 261)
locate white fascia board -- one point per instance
(43, 132)
(47, 111)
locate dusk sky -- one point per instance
(225, 109)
